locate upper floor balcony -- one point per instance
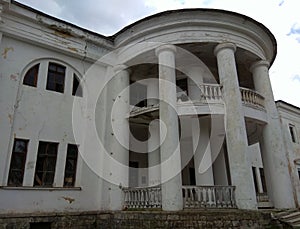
(209, 102)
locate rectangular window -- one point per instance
(45, 164)
(76, 89)
(263, 179)
(292, 133)
(71, 165)
(17, 163)
(255, 179)
(56, 77)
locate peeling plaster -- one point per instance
(69, 199)
(6, 51)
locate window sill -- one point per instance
(41, 188)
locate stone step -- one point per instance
(291, 215)
(292, 221)
(285, 212)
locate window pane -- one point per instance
(15, 178)
(30, 78)
(56, 77)
(45, 164)
(17, 163)
(71, 165)
(77, 89)
(20, 146)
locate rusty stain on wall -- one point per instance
(10, 116)
(6, 50)
(69, 199)
(73, 49)
(14, 77)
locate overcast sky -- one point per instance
(280, 16)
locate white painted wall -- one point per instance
(37, 114)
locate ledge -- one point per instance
(41, 189)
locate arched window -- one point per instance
(76, 89)
(31, 76)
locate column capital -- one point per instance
(165, 47)
(121, 67)
(226, 45)
(259, 63)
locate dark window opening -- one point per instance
(40, 225)
(17, 163)
(182, 89)
(31, 76)
(192, 176)
(76, 89)
(255, 179)
(71, 165)
(56, 77)
(263, 179)
(138, 94)
(181, 84)
(292, 133)
(45, 164)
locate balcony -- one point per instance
(195, 197)
(210, 101)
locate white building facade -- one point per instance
(174, 111)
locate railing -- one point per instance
(262, 197)
(210, 92)
(250, 97)
(208, 197)
(149, 197)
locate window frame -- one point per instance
(33, 70)
(76, 86)
(47, 157)
(15, 153)
(74, 171)
(53, 76)
(293, 133)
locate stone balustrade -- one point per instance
(193, 197)
(210, 93)
(137, 198)
(208, 196)
(251, 97)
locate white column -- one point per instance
(154, 139)
(235, 128)
(259, 182)
(273, 153)
(195, 78)
(170, 147)
(117, 138)
(202, 152)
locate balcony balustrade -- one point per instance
(193, 197)
(252, 98)
(144, 198)
(209, 94)
(209, 197)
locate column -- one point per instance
(117, 138)
(154, 139)
(259, 182)
(170, 148)
(202, 151)
(235, 127)
(272, 148)
(195, 78)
